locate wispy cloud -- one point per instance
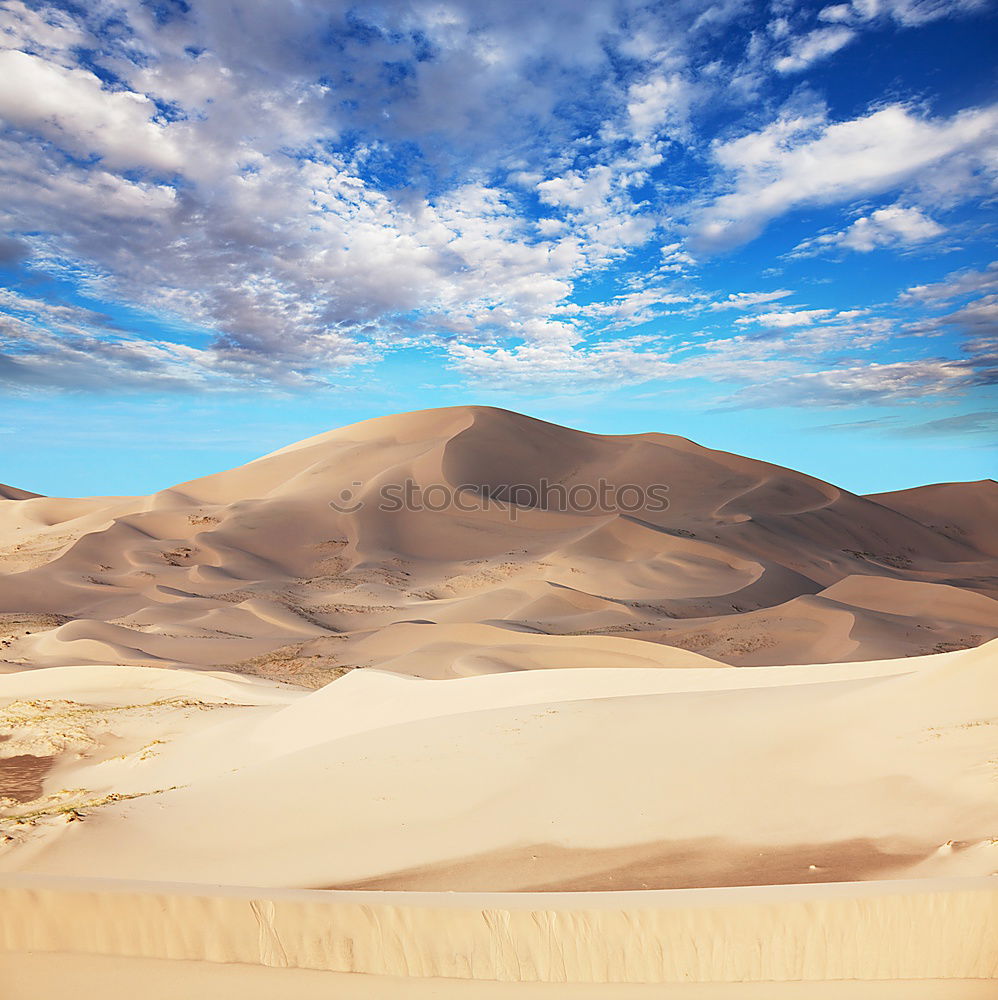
(810, 48)
(746, 300)
(983, 423)
(957, 284)
(787, 318)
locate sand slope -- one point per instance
(251, 569)
(13, 493)
(578, 778)
(849, 809)
(964, 511)
(944, 931)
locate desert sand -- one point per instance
(743, 744)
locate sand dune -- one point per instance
(891, 773)
(857, 798)
(964, 511)
(241, 568)
(744, 738)
(13, 493)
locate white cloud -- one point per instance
(675, 259)
(634, 307)
(874, 383)
(71, 108)
(788, 318)
(957, 284)
(910, 13)
(805, 160)
(885, 227)
(806, 358)
(618, 362)
(905, 13)
(48, 345)
(660, 105)
(836, 13)
(313, 182)
(45, 29)
(755, 361)
(583, 191)
(745, 300)
(819, 44)
(275, 240)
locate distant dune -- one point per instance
(12, 493)
(252, 570)
(747, 737)
(964, 511)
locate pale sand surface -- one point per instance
(925, 929)
(615, 718)
(28, 977)
(587, 779)
(574, 778)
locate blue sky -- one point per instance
(768, 226)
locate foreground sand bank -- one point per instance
(28, 977)
(943, 929)
(574, 780)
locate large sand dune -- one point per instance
(748, 739)
(252, 570)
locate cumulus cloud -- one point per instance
(805, 160)
(195, 168)
(895, 226)
(72, 108)
(660, 105)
